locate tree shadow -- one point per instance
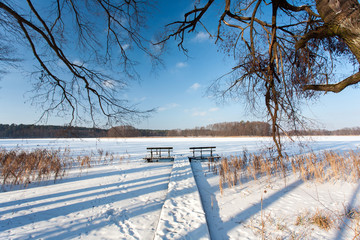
(118, 191)
(258, 207)
(209, 202)
(341, 234)
(109, 218)
(94, 174)
(148, 180)
(217, 227)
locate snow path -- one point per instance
(182, 216)
(108, 202)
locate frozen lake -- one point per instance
(136, 147)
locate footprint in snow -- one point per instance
(110, 212)
(121, 220)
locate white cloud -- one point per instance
(78, 62)
(168, 107)
(109, 83)
(156, 48)
(126, 46)
(214, 109)
(125, 96)
(194, 87)
(181, 64)
(142, 99)
(199, 113)
(201, 37)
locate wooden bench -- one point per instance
(203, 153)
(156, 154)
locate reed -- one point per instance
(321, 167)
(23, 167)
(322, 220)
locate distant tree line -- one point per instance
(214, 130)
(130, 131)
(219, 129)
(324, 132)
(41, 131)
(222, 129)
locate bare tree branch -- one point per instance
(338, 87)
(282, 51)
(62, 80)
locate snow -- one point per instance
(109, 202)
(237, 213)
(182, 215)
(131, 199)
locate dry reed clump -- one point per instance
(321, 167)
(322, 220)
(21, 167)
(85, 161)
(353, 214)
(327, 166)
(236, 169)
(100, 157)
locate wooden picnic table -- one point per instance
(209, 153)
(159, 153)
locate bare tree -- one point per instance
(82, 52)
(286, 51)
(6, 56)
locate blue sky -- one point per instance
(178, 91)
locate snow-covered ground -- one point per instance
(131, 199)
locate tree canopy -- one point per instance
(286, 51)
(82, 52)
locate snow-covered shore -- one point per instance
(124, 199)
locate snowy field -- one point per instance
(131, 199)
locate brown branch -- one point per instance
(66, 95)
(222, 19)
(252, 50)
(188, 25)
(88, 82)
(337, 87)
(283, 4)
(318, 33)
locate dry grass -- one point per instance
(328, 166)
(301, 219)
(267, 226)
(270, 227)
(357, 227)
(321, 167)
(353, 214)
(322, 220)
(23, 167)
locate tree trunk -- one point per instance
(342, 18)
